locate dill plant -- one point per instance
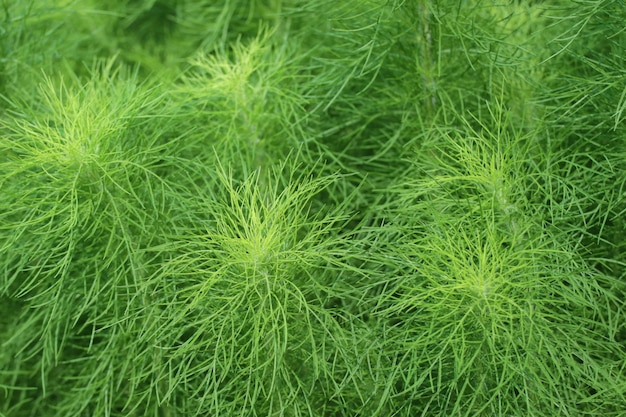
(240, 302)
(496, 312)
(243, 105)
(79, 197)
(315, 208)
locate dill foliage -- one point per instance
(312, 208)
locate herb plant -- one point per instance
(292, 208)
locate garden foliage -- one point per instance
(312, 208)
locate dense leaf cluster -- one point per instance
(312, 208)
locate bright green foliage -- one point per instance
(240, 299)
(519, 317)
(312, 208)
